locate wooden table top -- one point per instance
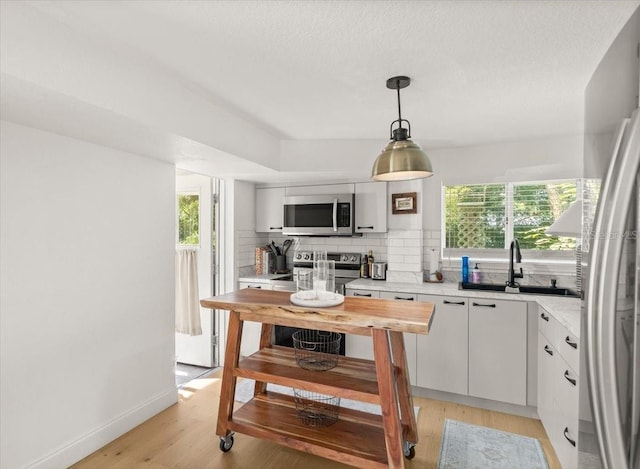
(357, 315)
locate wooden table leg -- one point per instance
(388, 399)
(407, 415)
(228, 388)
(266, 339)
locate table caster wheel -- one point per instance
(409, 450)
(226, 443)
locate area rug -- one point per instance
(244, 392)
(466, 446)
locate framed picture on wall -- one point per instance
(404, 203)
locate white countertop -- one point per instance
(565, 309)
(265, 278)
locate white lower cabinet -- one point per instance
(475, 347)
(558, 388)
(443, 354)
(251, 330)
(359, 346)
(498, 350)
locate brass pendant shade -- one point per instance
(401, 159)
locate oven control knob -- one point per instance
(306, 257)
(298, 256)
(344, 258)
(354, 258)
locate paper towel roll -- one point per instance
(434, 260)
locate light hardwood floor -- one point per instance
(183, 436)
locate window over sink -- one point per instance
(489, 216)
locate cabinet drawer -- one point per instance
(567, 345)
(398, 296)
(566, 408)
(546, 323)
(363, 293)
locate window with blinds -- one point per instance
(490, 216)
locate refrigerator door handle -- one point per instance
(604, 268)
(634, 450)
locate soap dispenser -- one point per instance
(475, 275)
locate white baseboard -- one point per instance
(96, 439)
(514, 409)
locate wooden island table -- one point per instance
(358, 438)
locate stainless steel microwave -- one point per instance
(318, 215)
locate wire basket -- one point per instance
(316, 350)
(315, 409)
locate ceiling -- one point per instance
(482, 71)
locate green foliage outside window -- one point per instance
(188, 219)
(488, 216)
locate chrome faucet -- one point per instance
(514, 248)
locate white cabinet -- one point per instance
(498, 350)
(443, 354)
(251, 330)
(558, 387)
(359, 346)
(547, 356)
(326, 189)
(371, 207)
(269, 209)
(409, 338)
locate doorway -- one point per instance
(197, 234)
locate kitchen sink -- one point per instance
(530, 289)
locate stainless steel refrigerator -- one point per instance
(610, 323)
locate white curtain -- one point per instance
(187, 297)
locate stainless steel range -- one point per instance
(347, 266)
(347, 269)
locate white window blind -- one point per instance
(490, 216)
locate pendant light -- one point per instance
(569, 223)
(401, 159)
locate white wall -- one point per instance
(87, 281)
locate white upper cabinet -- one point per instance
(371, 207)
(269, 209)
(328, 189)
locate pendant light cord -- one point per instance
(399, 113)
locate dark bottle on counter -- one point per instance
(370, 260)
(364, 267)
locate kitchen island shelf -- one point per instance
(357, 438)
(360, 439)
(353, 378)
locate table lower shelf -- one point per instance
(357, 438)
(353, 378)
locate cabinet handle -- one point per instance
(570, 343)
(447, 302)
(362, 294)
(275, 227)
(483, 305)
(573, 442)
(571, 380)
(548, 350)
(544, 316)
(410, 298)
(251, 286)
(365, 227)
